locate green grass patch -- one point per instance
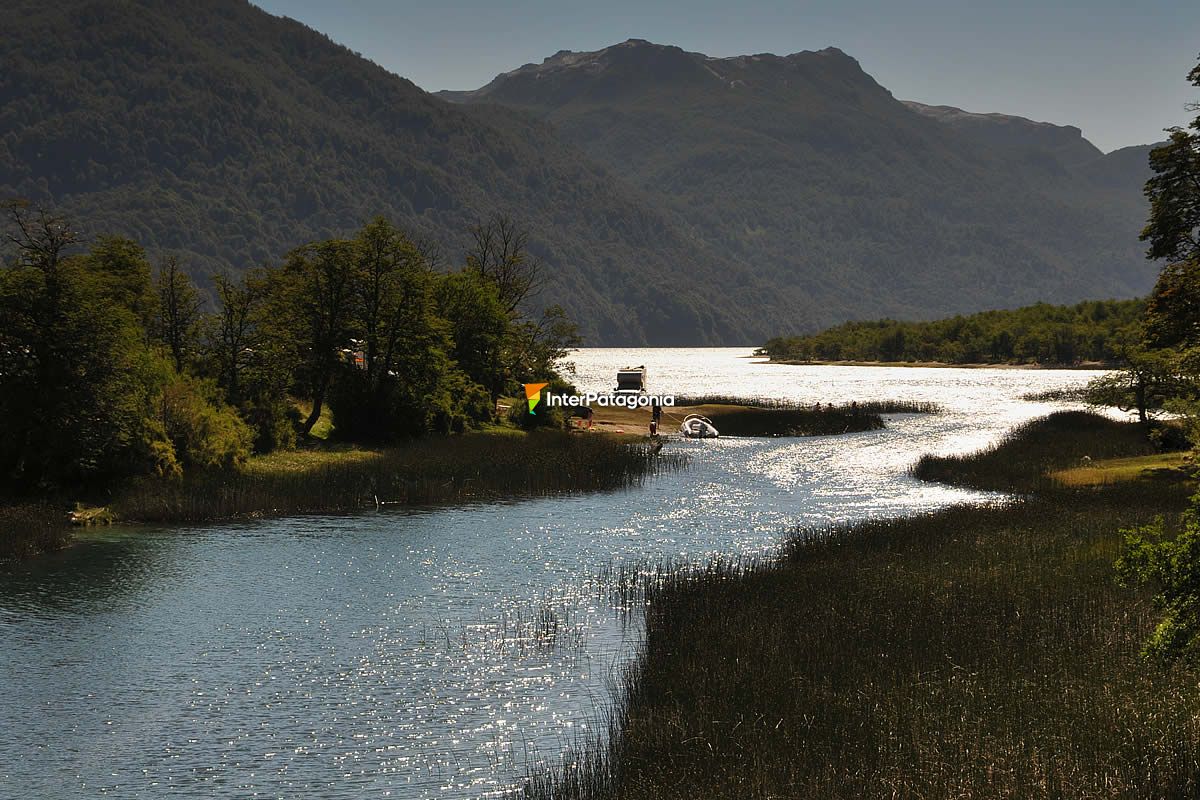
(323, 429)
(429, 471)
(1157, 467)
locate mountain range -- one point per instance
(675, 198)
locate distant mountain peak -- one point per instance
(1010, 132)
(627, 65)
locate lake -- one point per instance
(429, 653)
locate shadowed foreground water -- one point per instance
(430, 653)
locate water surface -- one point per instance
(430, 653)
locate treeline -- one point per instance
(1096, 331)
(110, 367)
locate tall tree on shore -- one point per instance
(390, 286)
(480, 325)
(403, 342)
(233, 331)
(1171, 563)
(179, 311)
(1173, 230)
(251, 353)
(77, 382)
(316, 284)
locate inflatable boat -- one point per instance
(695, 426)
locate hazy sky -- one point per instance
(1114, 69)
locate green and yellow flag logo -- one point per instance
(533, 394)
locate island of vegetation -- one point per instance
(1094, 333)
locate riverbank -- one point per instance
(1084, 365)
(973, 652)
(497, 464)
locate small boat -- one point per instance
(695, 426)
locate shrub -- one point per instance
(204, 431)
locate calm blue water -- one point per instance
(434, 653)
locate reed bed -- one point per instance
(738, 417)
(426, 472)
(1022, 460)
(975, 652)
(30, 528)
(1075, 394)
(866, 406)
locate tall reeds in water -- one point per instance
(425, 472)
(31, 528)
(740, 417)
(975, 652)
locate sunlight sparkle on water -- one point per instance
(430, 653)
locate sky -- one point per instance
(1114, 69)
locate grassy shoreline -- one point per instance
(431, 471)
(500, 462)
(978, 651)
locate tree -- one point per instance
(404, 343)
(1148, 380)
(317, 286)
(78, 386)
(1174, 192)
(479, 324)
(1172, 565)
(122, 273)
(251, 354)
(391, 292)
(500, 253)
(177, 322)
(233, 332)
(539, 346)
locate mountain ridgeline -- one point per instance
(674, 198)
(843, 197)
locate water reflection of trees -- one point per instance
(104, 571)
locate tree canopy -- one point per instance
(109, 368)
(1096, 331)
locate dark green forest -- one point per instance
(1096, 331)
(111, 366)
(670, 207)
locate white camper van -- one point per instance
(631, 380)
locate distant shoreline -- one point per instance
(937, 364)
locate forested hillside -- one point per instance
(845, 198)
(674, 198)
(229, 136)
